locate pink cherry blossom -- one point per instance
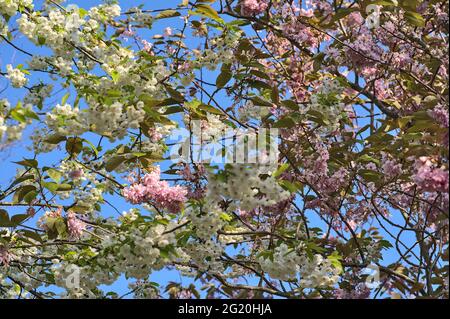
(75, 226)
(440, 114)
(75, 174)
(253, 7)
(155, 136)
(5, 256)
(159, 193)
(430, 178)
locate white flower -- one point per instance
(9, 7)
(16, 76)
(246, 188)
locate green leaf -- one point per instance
(342, 13)
(280, 170)
(260, 102)
(175, 94)
(64, 98)
(61, 226)
(82, 12)
(115, 76)
(18, 219)
(414, 18)
(210, 109)
(285, 122)
(30, 196)
(30, 114)
(226, 217)
(54, 187)
(370, 175)
(50, 186)
(224, 77)
(93, 148)
(41, 40)
(367, 158)
(22, 179)
(79, 209)
(22, 191)
(260, 85)
(55, 139)
(18, 116)
(114, 162)
(174, 109)
(149, 101)
(275, 95)
(74, 145)
(290, 105)
(54, 174)
(291, 187)
(335, 260)
(167, 14)
(28, 163)
(4, 219)
(208, 11)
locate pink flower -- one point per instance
(5, 256)
(168, 31)
(253, 7)
(135, 193)
(76, 174)
(391, 167)
(155, 136)
(147, 46)
(128, 33)
(159, 193)
(440, 114)
(360, 291)
(184, 67)
(430, 178)
(75, 226)
(355, 19)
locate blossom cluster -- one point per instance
(109, 120)
(16, 76)
(206, 221)
(287, 264)
(250, 7)
(430, 178)
(138, 252)
(153, 190)
(246, 187)
(363, 117)
(5, 256)
(10, 7)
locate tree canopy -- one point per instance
(350, 96)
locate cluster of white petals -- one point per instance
(109, 120)
(16, 76)
(288, 264)
(247, 186)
